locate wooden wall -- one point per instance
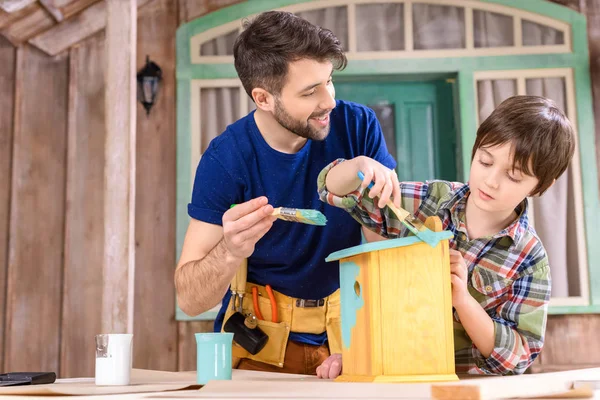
(51, 207)
(52, 133)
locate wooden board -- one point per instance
(119, 169)
(37, 213)
(565, 343)
(186, 346)
(155, 328)
(7, 94)
(142, 381)
(64, 35)
(7, 18)
(37, 20)
(246, 384)
(84, 229)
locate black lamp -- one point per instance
(148, 79)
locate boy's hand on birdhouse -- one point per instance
(331, 367)
(385, 181)
(460, 273)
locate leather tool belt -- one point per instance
(293, 315)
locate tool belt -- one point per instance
(293, 315)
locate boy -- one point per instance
(500, 273)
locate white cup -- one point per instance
(113, 359)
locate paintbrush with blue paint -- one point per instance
(413, 224)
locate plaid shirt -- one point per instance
(509, 273)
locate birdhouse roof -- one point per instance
(383, 245)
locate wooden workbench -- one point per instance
(248, 384)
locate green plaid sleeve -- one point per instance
(520, 323)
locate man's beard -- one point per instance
(301, 128)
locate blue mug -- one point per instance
(213, 356)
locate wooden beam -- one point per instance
(74, 30)
(156, 348)
(84, 219)
(7, 18)
(7, 103)
(62, 36)
(11, 6)
(37, 213)
(39, 20)
(53, 11)
(36, 21)
(119, 171)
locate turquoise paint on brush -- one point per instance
(351, 302)
(213, 356)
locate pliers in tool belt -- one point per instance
(272, 300)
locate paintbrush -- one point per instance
(310, 217)
(413, 224)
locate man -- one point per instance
(272, 157)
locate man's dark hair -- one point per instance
(538, 132)
(263, 51)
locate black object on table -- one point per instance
(26, 378)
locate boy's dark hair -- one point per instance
(272, 40)
(538, 131)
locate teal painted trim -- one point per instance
(468, 124)
(589, 176)
(410, 66)
(384, 245)
(350, 300)
(182, 47)
(207, 316)
(569, 310)
(579, 35)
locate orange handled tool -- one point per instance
(274, 316)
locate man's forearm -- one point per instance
(201, 284)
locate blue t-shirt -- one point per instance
(239, 166)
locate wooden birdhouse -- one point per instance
(396, 316)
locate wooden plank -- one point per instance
(37, 213)
(84, 229)
(52, 10)
(542, 386)
(119, 170)
(569, 340)
(186, 346)
(62, 36)
(7, 18)
(156, 348)
(36, 21)
(14, 5)
(192, 9)
(39, 20)
(7, 101)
